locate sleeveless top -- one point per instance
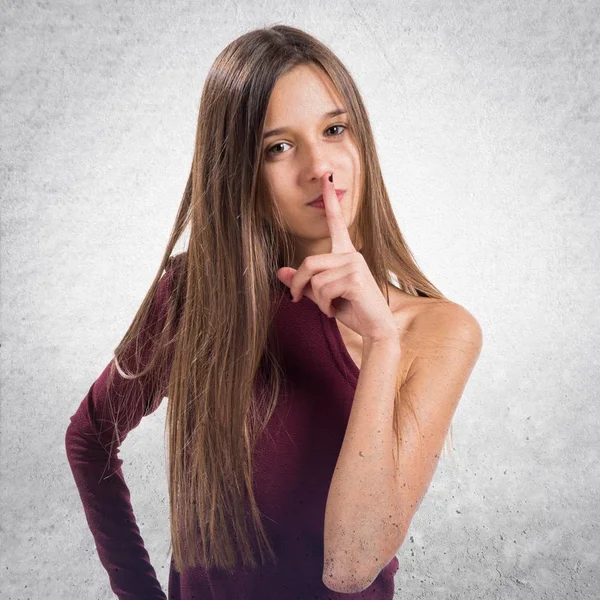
(293, 465)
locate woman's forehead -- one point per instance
(305, 92)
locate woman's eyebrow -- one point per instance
(328, 115)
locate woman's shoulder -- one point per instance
(427, 323)
(426, 314)
(411, 311)
(177, 261)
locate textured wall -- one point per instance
(486, 116)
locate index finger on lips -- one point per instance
(338, 230)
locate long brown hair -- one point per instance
(222, 289)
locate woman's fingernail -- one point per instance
(331, 178)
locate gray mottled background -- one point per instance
(486, 116)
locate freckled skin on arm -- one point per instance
(362, 507)
(372, 500)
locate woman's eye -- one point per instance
(333, 126)
(271, 150)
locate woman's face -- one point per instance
(310, 144)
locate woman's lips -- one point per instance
(318, 203)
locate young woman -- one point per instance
(309, 396)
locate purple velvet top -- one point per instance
(293, 466)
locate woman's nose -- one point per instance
(316, 162)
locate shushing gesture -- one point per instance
(340, 283)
